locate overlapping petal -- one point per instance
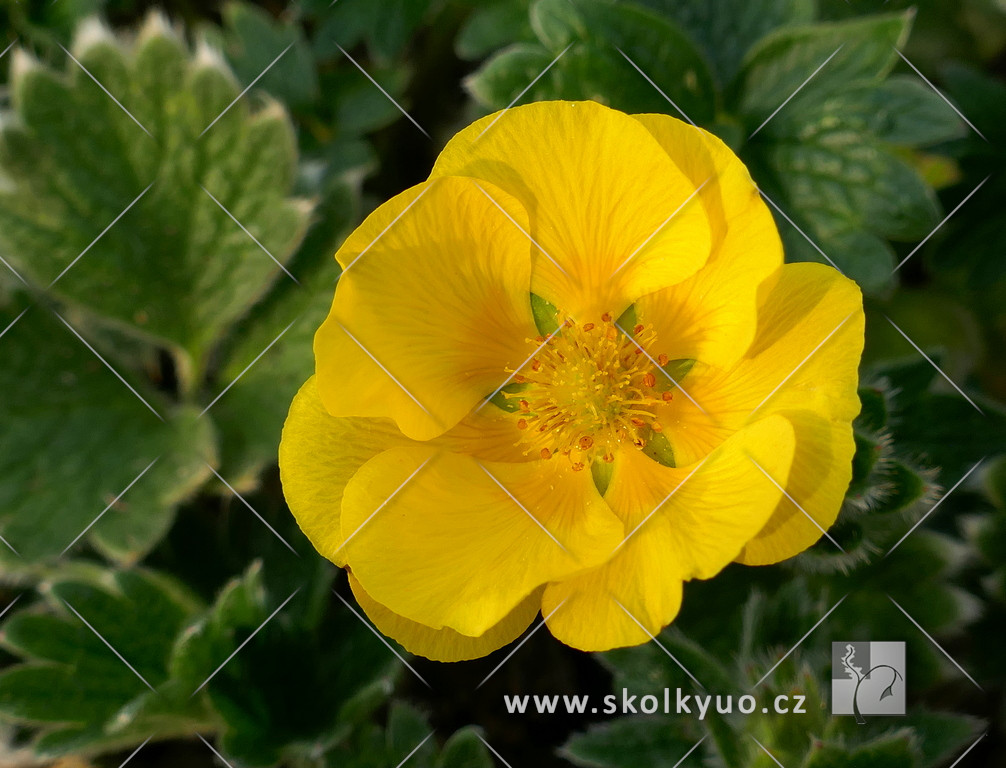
(432, 309)
(805, 355)
(606, 203)
(447, 541)
(681, 523)
(446, 644)
(712, 315)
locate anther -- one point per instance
(525, 406)
(588, 326)
(585, 442)
(606, 317)
(521, 423)
(667, 397)
(662, 359)
(546, 453)
(638, 328)
(649, 379)
(637, 422)
(578, 466)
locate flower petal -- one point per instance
(711, 316)
(805, 355)
(601, 194)
(445, 644)
(318, 454)
(818, 480)
(431, 310)
(681, 523)
(447, 541)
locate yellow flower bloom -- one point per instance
(471, 469)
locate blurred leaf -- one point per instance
(75, 438)
(69, 683)
(175, 265)
(386, 25)
(601, 35)
(492, 25)
(251, 414)
(823, 156)
(896, 750)
(726, 30)
(628, 742)
(285, 692)
(253, 40)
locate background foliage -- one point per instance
(197, 164)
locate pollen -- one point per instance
(589, 390)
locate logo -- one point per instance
(867, 679)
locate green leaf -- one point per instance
(629, 742)
(464, 749)
(75, 439)
(386, 25)
(175, 266)
(902, 110)
(253, 39)
(601, 35)
(69, 683)
(726, 30)
(285, 691)
(777, 67)
(250, 416)
(491, 26)
(896, 750)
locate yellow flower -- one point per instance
(642, 437)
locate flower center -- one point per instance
(588, 389)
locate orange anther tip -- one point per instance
(546, 453)
(638, 328)
(588, 326)
(650, 380)
(585, 442)
(667, 397)
(606, 317)
(578, 466)
(663, 360)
